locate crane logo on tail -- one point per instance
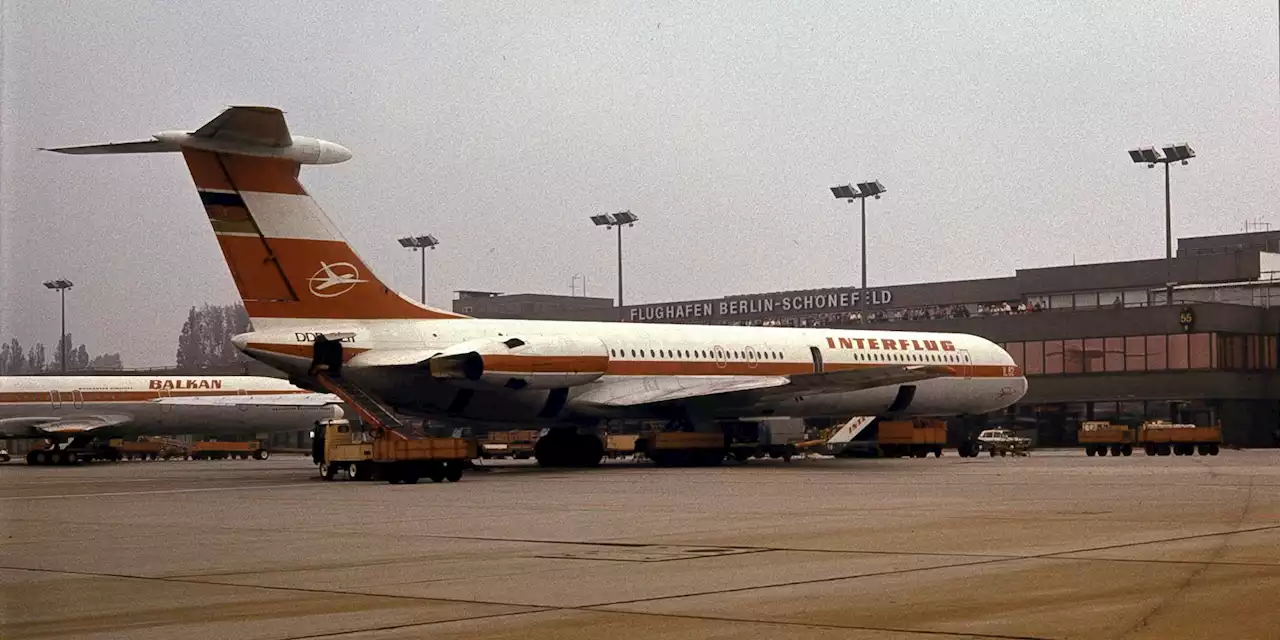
(333, 280)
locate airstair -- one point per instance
(370, 410)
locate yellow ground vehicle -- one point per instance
(616, 445)
(1098, 437)
(911, 438)
(681, 448)
(517, 444)
(1163, 438)
(218, 450)
(388, 455)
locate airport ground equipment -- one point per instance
(1000, 442)
(1163, 438)
(1098, 437)
(517, 445)
(143, 448)
(683, 448)
(915, 438)
(372, 454)
(618, 445)
(219, 450)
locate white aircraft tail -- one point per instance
(289, 261)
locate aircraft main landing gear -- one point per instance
(565, 447)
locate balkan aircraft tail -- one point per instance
(289, 261)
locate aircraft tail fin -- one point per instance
(289, 261)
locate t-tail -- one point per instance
(288, 259)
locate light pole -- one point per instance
(1150, 157)
(421, 243)
(861, 193)
(619, 219)
(61, 285)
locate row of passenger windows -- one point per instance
(774, 355)
(697, 353)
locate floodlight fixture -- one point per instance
(1177, 152)
(871, 189)
(421, 243)
(609, 221)
(844, 192)
(61, 285)
(864, 190)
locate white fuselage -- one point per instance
(655, 356)
(136, 397)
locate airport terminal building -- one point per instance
(1096, 341)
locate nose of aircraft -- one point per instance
(240, 340)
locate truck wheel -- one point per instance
(262, 454)
(436, 472)
(1102, 451)
(1162, 450)
(1213, 449)
(453, 472)
(327, 471)
(353, 471)
(1127, 450)
(409, 474)
(1090, 451)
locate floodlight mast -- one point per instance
(421, 243)
(1149, 156)
(861, 192)
(61, 285)
(609, 220)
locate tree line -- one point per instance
(204, 344)
(205, 340)
(14, 360)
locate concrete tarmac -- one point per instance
(1055, 545)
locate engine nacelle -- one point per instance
(533, 362)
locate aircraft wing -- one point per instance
(762, 387)
(258, 125)
(263, 400)
(38, 426)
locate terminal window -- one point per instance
(1159, 352)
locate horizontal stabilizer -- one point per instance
(257, 125)
(141, 146)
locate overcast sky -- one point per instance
(998, 127)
